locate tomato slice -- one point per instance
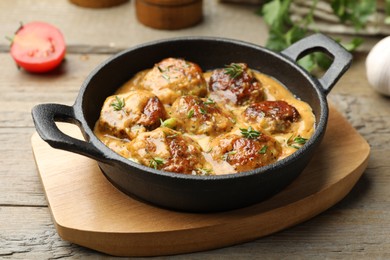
(38, 47)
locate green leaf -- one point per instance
(353, 44)
(170, 122)
(234, 70)
(308, 62)
(118, 104)
(276, 13)
(263, 150)
(250, 133)
(357, 12)
(190, 113)
(387, 11)
(204, 171)
(276, 41)
(295, 34)
(270, 12)
(156, 162)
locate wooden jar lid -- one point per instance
(98, 3)
(169, 14)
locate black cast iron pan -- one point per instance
(188, 192)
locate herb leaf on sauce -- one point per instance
(297, 142)
(204, 171)
(156, 162)
(190, 113)
(263, 150)
(250, 133)
(234, 70)
(225, 157)
(118, 104)
(209, 101)
(170, 122)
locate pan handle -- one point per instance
(342, 59)
(45, 116)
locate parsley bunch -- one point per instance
(283, 31)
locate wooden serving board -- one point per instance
(89, 211)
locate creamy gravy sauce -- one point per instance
(273, 91)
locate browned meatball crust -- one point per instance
(125, 115)
(201, 116)
(235, 84)
(272, 116)
(172, 78)
(244, 153)
(168, 150)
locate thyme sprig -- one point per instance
(156, 162)
(118, 104)
(250, 133)
(234, 70)
(297, 142)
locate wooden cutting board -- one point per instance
(89, 211)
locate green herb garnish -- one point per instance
(283, 31)
(225, 157)
(209, 101)
(202, 111)
(263, 150)
(165, 76)
(156, 162)
(190, 113)
(300, 140)
(250, 133)
(204, 171)
(170, 122)
(297, 142)
(118, 104)
(234, 70)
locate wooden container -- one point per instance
(97, 3)
(169, 14)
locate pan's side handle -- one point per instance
(342, 59)
(45, 116)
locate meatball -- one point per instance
(172, 78)
(201, 116)
(246, 153)
(125, 115)
(235, 84)
(168, 150)
(272, 116)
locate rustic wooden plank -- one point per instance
(146, 231)
(19, 182)
(21, 90)
(117, 27)
(360, 233)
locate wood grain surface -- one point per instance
(357, 227)
(89, 211)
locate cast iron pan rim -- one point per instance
(320, 126)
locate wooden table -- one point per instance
(357, 227)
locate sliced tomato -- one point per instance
(38, 47)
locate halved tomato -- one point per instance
(38, 47)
